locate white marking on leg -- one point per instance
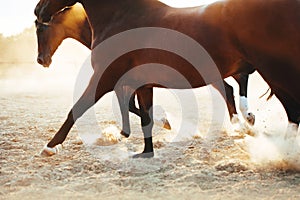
(244, 106)
(48, 151)
(248, 116)
(291, 131)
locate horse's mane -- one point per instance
(76, 8)
(66, 9)
(62, 12)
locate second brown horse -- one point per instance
(72, 23)
(233, 32)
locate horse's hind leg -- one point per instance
(145, 98)
(292, 109)
(126, 97)
(228, 97)
(242, 80)
(91, 95)
(132, 107)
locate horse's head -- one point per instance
(45, 9)
(49, 37)
(70, 22)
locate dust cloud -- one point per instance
(19, 71)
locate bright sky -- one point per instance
(16, 15)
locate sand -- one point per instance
(206, 164)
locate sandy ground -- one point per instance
(214, 164)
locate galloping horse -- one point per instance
(72, 23)
(237, 34)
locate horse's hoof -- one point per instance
(48, 151)
(250, 118)
(235, 119)
(144, 155)
(166, 124)
(125, 134)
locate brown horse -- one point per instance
(72, 23)
(236, 34)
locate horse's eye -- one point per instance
(39, 29)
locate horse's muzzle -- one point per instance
(44, 60)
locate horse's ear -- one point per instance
(36, 10)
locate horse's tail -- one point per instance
(270, 95)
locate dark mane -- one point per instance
(60, 15)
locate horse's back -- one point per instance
(268, 32)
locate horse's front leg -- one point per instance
(125, 95)
(226, 91)
(91, 95)
(145, 99)
(242, 80)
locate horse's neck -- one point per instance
(105, 14)
(102, 13)
(86, 34)
(83, 34)
(79, 29)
